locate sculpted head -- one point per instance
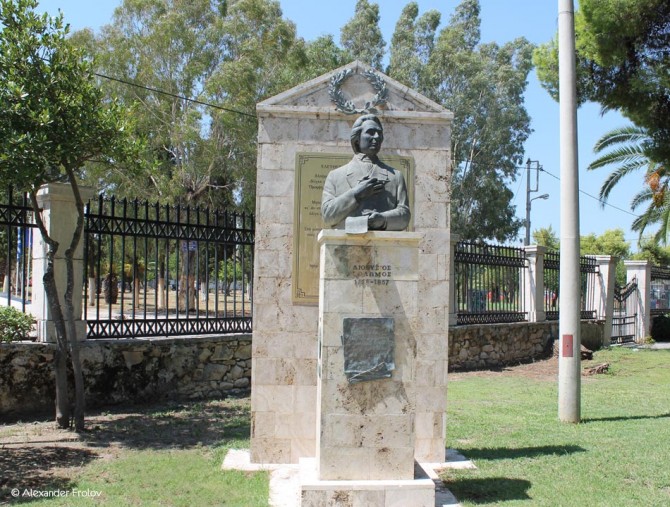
(367, 134)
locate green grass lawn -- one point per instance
(506, 423)
(167, 455)
(618, 455)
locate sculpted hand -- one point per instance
(376, 221)
(367, 187)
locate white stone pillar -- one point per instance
(641, 270)
(604, 292)
(59, 214)
(533, 284)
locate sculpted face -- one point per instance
(371, 138)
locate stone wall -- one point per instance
(493, 345)
(118, 371)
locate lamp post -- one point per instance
(529, 190)
(543, 196)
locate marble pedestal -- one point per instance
(366, 430)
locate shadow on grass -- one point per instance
(26, 467)
(174, 426)
(521, 452)
(493, 489)
(624, 418)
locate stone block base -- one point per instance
(419, 492)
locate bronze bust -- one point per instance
(366, 186)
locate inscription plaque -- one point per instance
(311, 170)
(369, 348)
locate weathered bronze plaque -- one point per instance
(311, 170)
(369, 348)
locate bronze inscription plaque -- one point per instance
(369, 348)
(311, 170)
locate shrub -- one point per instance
(14, 325)
(660, 328)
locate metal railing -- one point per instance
(489, 283)
(624, 313)
(588, 269)
(16, 245)
(154, 270)
(660, 290)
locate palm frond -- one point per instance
(641, 197)
(622, 155)
(614, 178)
(628, 134)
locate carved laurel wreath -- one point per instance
(347, 106)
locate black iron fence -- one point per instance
(588, 269)
(624, 314)
(489, 283)
(552, 264)
(16, 245)
(154, 270)
(660, 290)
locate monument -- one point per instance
(311, 405)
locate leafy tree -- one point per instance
(261, 57)
(610, 242)
(623, 63)
(230, 54)
(53, 119)
(362, 37)
(651, 251)
(483, 84)
(546, 236)
(411, 46)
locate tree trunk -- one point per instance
(60, 357)
(79, 393)
(62, 401)
(187, 293)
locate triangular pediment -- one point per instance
(350, 89)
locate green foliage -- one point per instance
(230, 272)
(411, 46)
(546, 237)
(611, 242)
(622, 61)
(14, 325)
(361, 36)
(651, 251)
(483, 84)
(53, 118)
(234, 54)
(660, 328)
(629, 152)
(231, 54)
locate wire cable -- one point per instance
(156, 90)
(604, 203)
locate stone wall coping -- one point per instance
(63, 192)
(159, 340)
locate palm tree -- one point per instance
(630, 152)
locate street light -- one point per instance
(543, 196)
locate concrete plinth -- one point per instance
(366, 430)
(417, 492)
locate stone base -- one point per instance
(419, 492)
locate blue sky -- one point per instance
(502, 21)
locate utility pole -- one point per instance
(569, 357)
(526, 240)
